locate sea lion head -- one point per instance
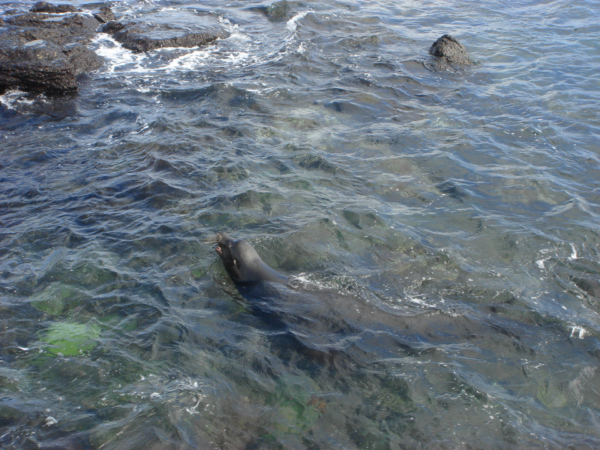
(237, 256)
(225, 249)
(242, 262)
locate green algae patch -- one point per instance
(70, 339)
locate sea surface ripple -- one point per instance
(441, 226)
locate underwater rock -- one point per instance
(450, 188)
(70, 339)
(451, 51)
(589, 285)
(9, 416)
(315, 162)
(57, 298)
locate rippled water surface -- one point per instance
(440, 225)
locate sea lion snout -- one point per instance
(223, 240)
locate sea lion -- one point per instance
(243, 263)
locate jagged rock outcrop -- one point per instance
(451, 51)
(44, 52)
(143, 37)
(43, 66)
(70, 28)
(45, 49)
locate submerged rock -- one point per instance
(70, 339)
(450, 50)
(57, 298)
(589, 285)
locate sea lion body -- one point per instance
(242, 262)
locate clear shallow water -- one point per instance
(442, 228)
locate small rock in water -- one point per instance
(451, 50)
(279, 11)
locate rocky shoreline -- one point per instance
(46, 49)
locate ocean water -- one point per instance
(440, 225)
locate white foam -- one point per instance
(207, 56)
(574, 253)
(292, 24)
(308, 283)
(118, 58)
(51, 421)
(417, 301)
(578, 332)
(9, 98)
(121, 60)
(14, 97)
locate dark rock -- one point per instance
(276, 11)
(141, 43)
(81, 58)
(589, 285)
(43, 7)
(105, 15)
(46, 53)
(450, 50)
(163, 29)
(94, 5)
(145, 37)
(452, 190)
(10, 416)
(113, 27)
(62, 30)
(43, 66)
